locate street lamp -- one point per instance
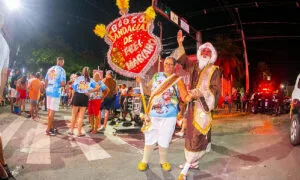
(13, 4)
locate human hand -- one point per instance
(138, 79)
(180, 38)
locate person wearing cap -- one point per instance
(109, 101)
(205, 92)
(34, 87)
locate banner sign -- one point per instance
(174, 17)
(184, 26)
(133, 47)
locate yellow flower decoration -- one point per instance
(123, 5)
(149, 14)
(100, 30)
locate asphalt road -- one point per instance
(243, 147)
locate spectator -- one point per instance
(64, 96)
(95, 101)
(127, 104)
(34, 87)
(109, 101)
(22, 92)
(54, 80)
(82, 88)
(13, 89)
(245, 101)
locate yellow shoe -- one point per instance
(181, 177)
(166, 166)
(142, 166)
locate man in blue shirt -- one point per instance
(54, 80)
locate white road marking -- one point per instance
(27, 141)
(39, 152)
(91, 149)
(117, 140)
(67, 117)
(9, 132)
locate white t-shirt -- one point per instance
(4, 54)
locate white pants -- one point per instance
(53, 103)
(161, 132)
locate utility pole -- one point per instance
(199, 39)
(160, 36)
(245, 50)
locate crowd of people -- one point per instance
(169, 100)
(239, 100)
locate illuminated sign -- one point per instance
(133, 47)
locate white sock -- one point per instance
(185, 168)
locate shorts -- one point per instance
(53, 103)
(80, 100)
(34, 102)
(94, 107)
(109, 102)
(161, 132)
(64, 99)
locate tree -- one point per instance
(261, 73)
(229, 61)
(41, 53)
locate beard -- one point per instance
(202, 61)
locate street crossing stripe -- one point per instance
(115, 139)
(9, 132)
(91, 149)
(67, 117)
(40, 148)
(27, 141)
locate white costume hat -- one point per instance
(214, 54)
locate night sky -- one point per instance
(272, 28)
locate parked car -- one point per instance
(295, 114)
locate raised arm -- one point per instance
(180, 55)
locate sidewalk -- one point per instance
(222, 113)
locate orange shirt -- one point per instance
(35, 89)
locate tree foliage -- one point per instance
(229, 59)
(41, 53)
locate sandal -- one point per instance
(194, 165)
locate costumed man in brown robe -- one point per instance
(205, 91)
